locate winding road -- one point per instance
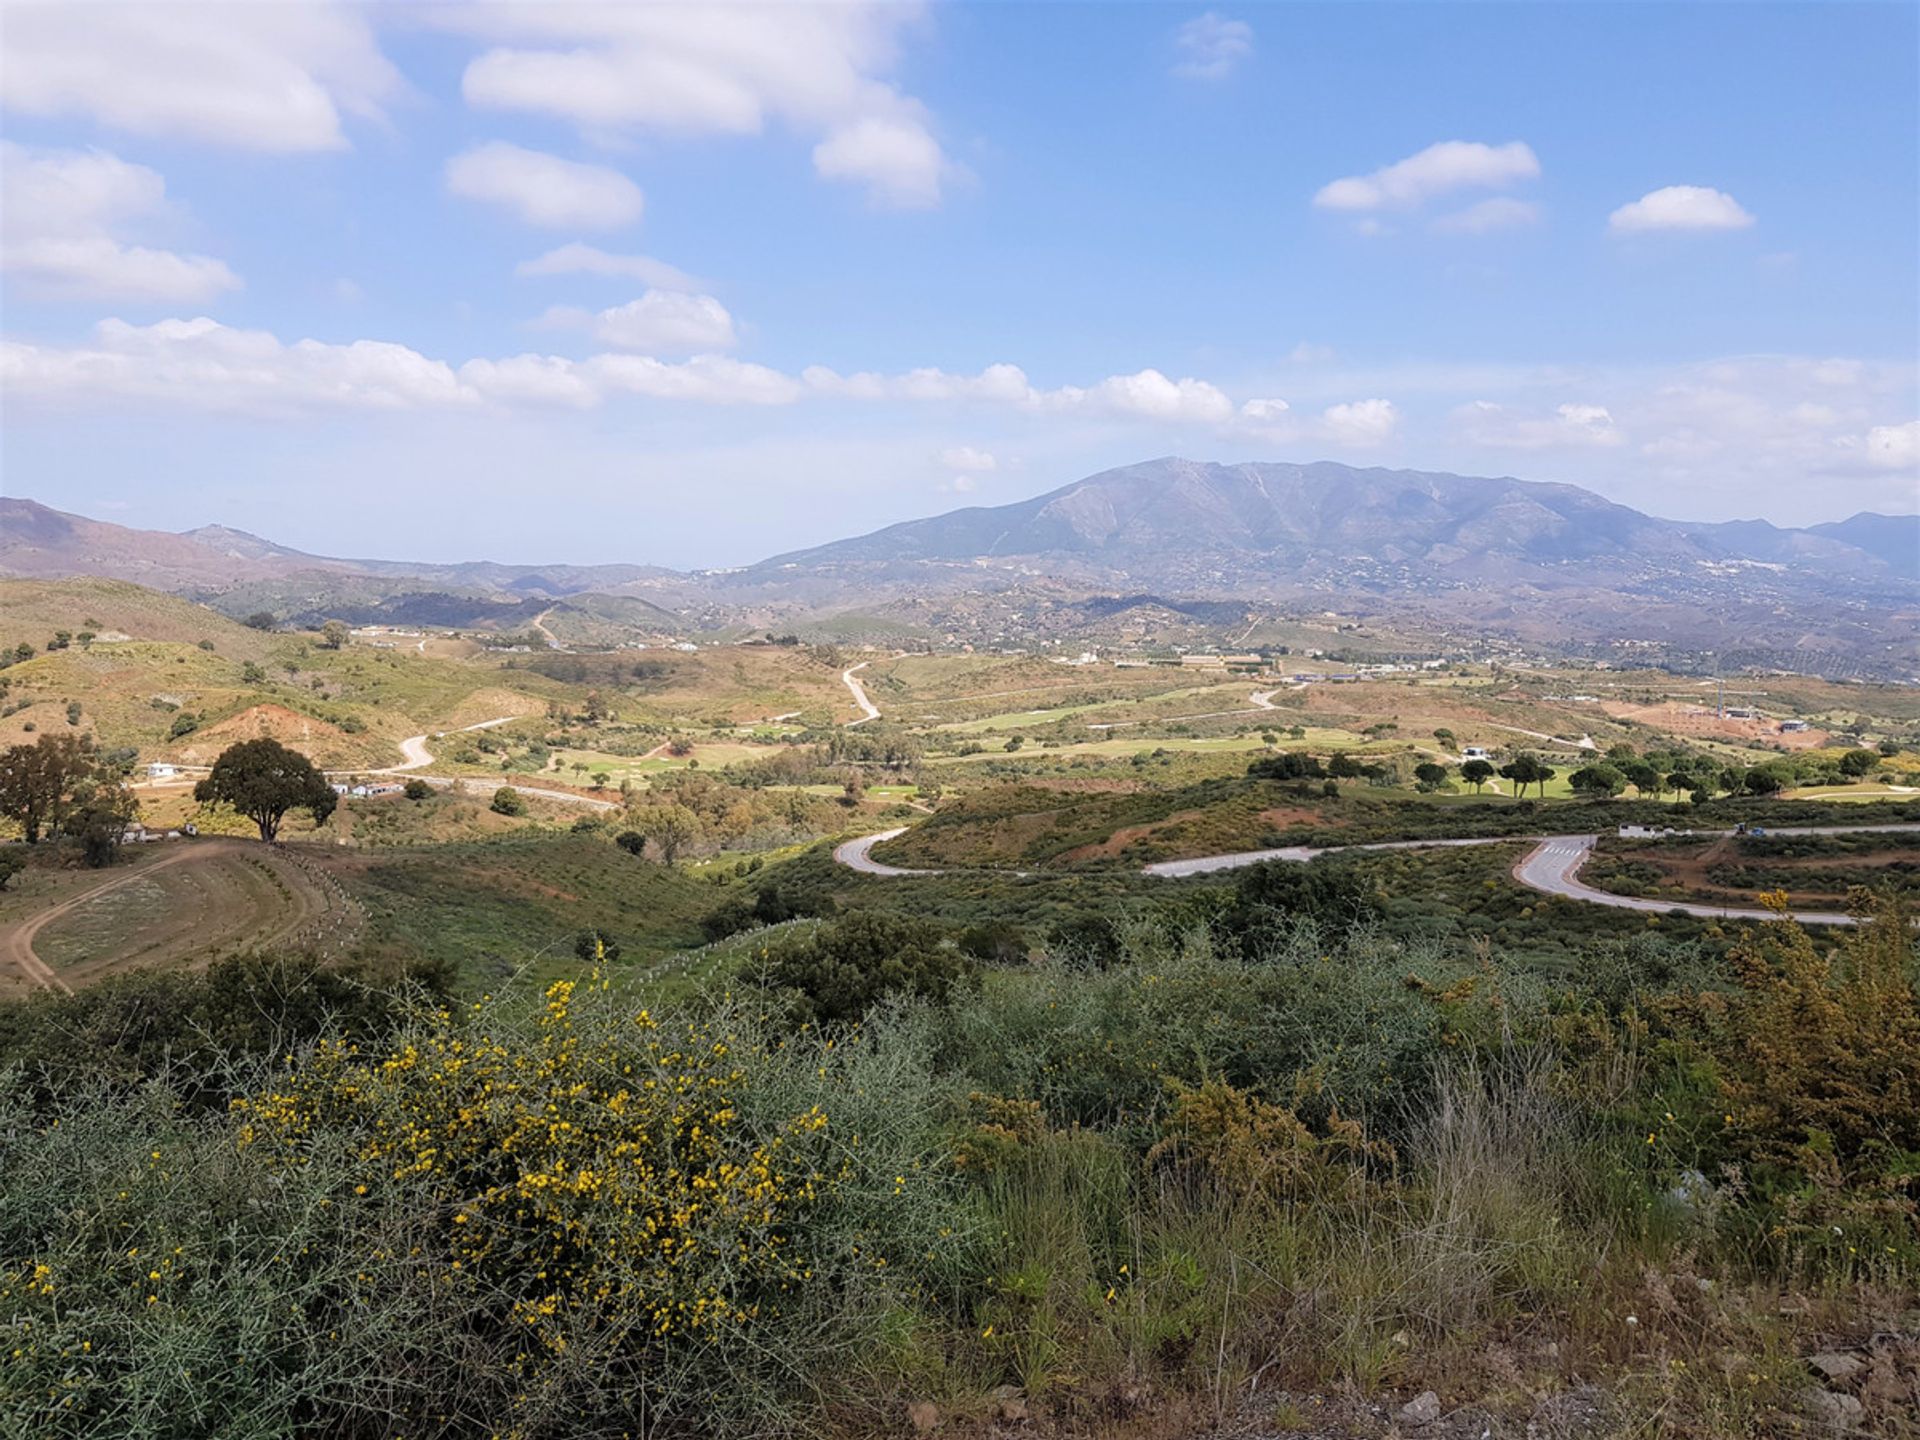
(414, 748)
(871, 711)
(1551, 867)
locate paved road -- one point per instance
(414, 748)
(853, 855)
(1552, 866)
(859, 695)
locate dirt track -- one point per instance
(200, 899)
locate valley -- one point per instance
(738, 765)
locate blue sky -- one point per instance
(691, 285)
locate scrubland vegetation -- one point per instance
(1127, 1177)
(617, 1106)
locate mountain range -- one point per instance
(1436, 553)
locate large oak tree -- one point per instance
(263, 780)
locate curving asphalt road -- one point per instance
(414, 747)
(1551, 867)
(853, 854)
(859, 693)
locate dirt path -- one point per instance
(16, 945)
(859, 695)
(1585, 742)
(238, 894)
(540, 624)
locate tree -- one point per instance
(252, 674)
(40, 782)
(73, 712)
(1762, 781)
(672, 827)
(12, 862)
(102, 811)
(1597, 782)
(1477, 772)
(1429, 775)
(841, 969)
(1287, 765)
(508, 801)
(1682, 783)
(417, 789)
(631, 841)
(260, 620)
(1644, 777)
(1858, 762)
(263, 780)
(1524, 770)
(1345, 767)
(333, 635)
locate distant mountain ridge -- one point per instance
(1457, 558)
(1140, 516)
(36, 540)
(1894, 538)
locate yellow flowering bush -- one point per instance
(587, 1184)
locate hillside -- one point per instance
(36, 540)
(1156, 518)
(1893, 538)
(32, 610)
(1165, 552)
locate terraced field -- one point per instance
(191, 903)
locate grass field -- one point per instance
(493, 908)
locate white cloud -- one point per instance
(1147, 394)
(1264, 411)
(1436, 170)
(532, 380)
(616, 70)
(667, 322)
(1680, 207)
(1360, 423)
(202, 364)
(1894, 447)
(264, 77)
(895, 155)
(543, 189)
(1212, 47)
(59, 214)
(1006, 384)
(710, 379)
(1499, 212)
(968, 458)
(1487, 424)
(580, 259)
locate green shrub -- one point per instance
(840, 970)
